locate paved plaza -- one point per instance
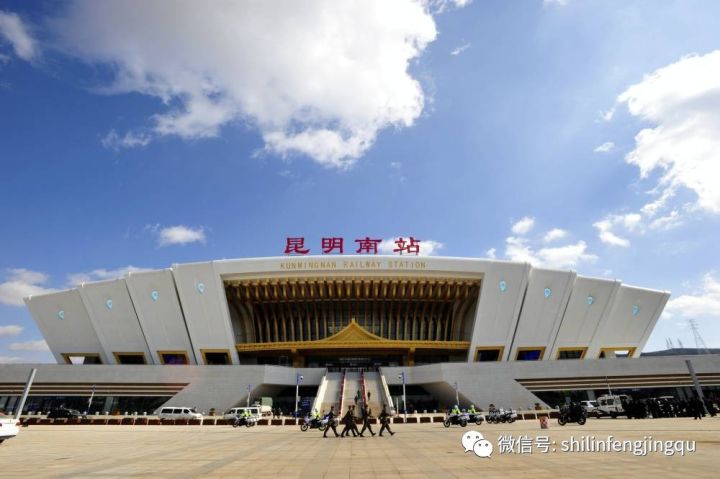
(416, 451)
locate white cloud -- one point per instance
(517, 249)
(320, 78)
(113, 141)
(181, 235)
(20, 283)
(39, 345)
(559, 3)
(568, 256)
(561, 257)
(10, 359)
(605, 147)
(523, 226)
(608, 115)
(681, 100)
(427, 247)
(439, 6)
(703, 304)
(630, 222)
(554, 235)
(10, 330)
(76, 279)
(491, 253)
(458, 50)
(15, 32)
(667, 222)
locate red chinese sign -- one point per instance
(367, 245)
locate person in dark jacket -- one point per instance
(366, 420)
(385, 421)
(349, 421)
(331, 422)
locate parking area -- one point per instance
(416, 451)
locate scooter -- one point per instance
(313, 423)
(457, 419)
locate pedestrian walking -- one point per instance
(366, 420)
(331, 422)
(385, 421)
(348, 421)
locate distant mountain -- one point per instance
(681, 352)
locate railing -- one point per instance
(342, 394)
(317, 404)
(386, 390)
(364, 389)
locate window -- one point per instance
(529, 354)
(130, 358)
(82, 358)
(568, 353)
(173, 357)
(216, 357)
(616, 352)
(488, 354)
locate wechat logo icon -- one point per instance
(476, 442)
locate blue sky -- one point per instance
(142, 135)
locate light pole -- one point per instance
(92, 394)
(298, 380)
(249, 388)
(402, 376)
(457, 395)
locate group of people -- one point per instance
(350, 427)
(642, 408)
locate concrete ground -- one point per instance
(416, 451)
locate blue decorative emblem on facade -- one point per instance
(108, 303)
(590, 300)
(154, 295)
(547, 292)
(201, 288)
(61, 314)
(503, 286)
(635, 310)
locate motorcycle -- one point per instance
(477, 418)
(573, 412)
(501, 416)
(244, 421)
(456, 419)
(314, 423)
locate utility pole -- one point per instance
(249, 389)
(457, 394)
(402, 376)
(92, 395)
(298, 380)
(699, 342)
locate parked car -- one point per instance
(65, 413)
(178, 413)
(590, 407)
(240, 411)
(9, 427)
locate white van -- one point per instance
(178, 413)
(611, 405)
(240, 411)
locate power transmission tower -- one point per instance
(699, 342)
(680, 343)
(669, 343)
